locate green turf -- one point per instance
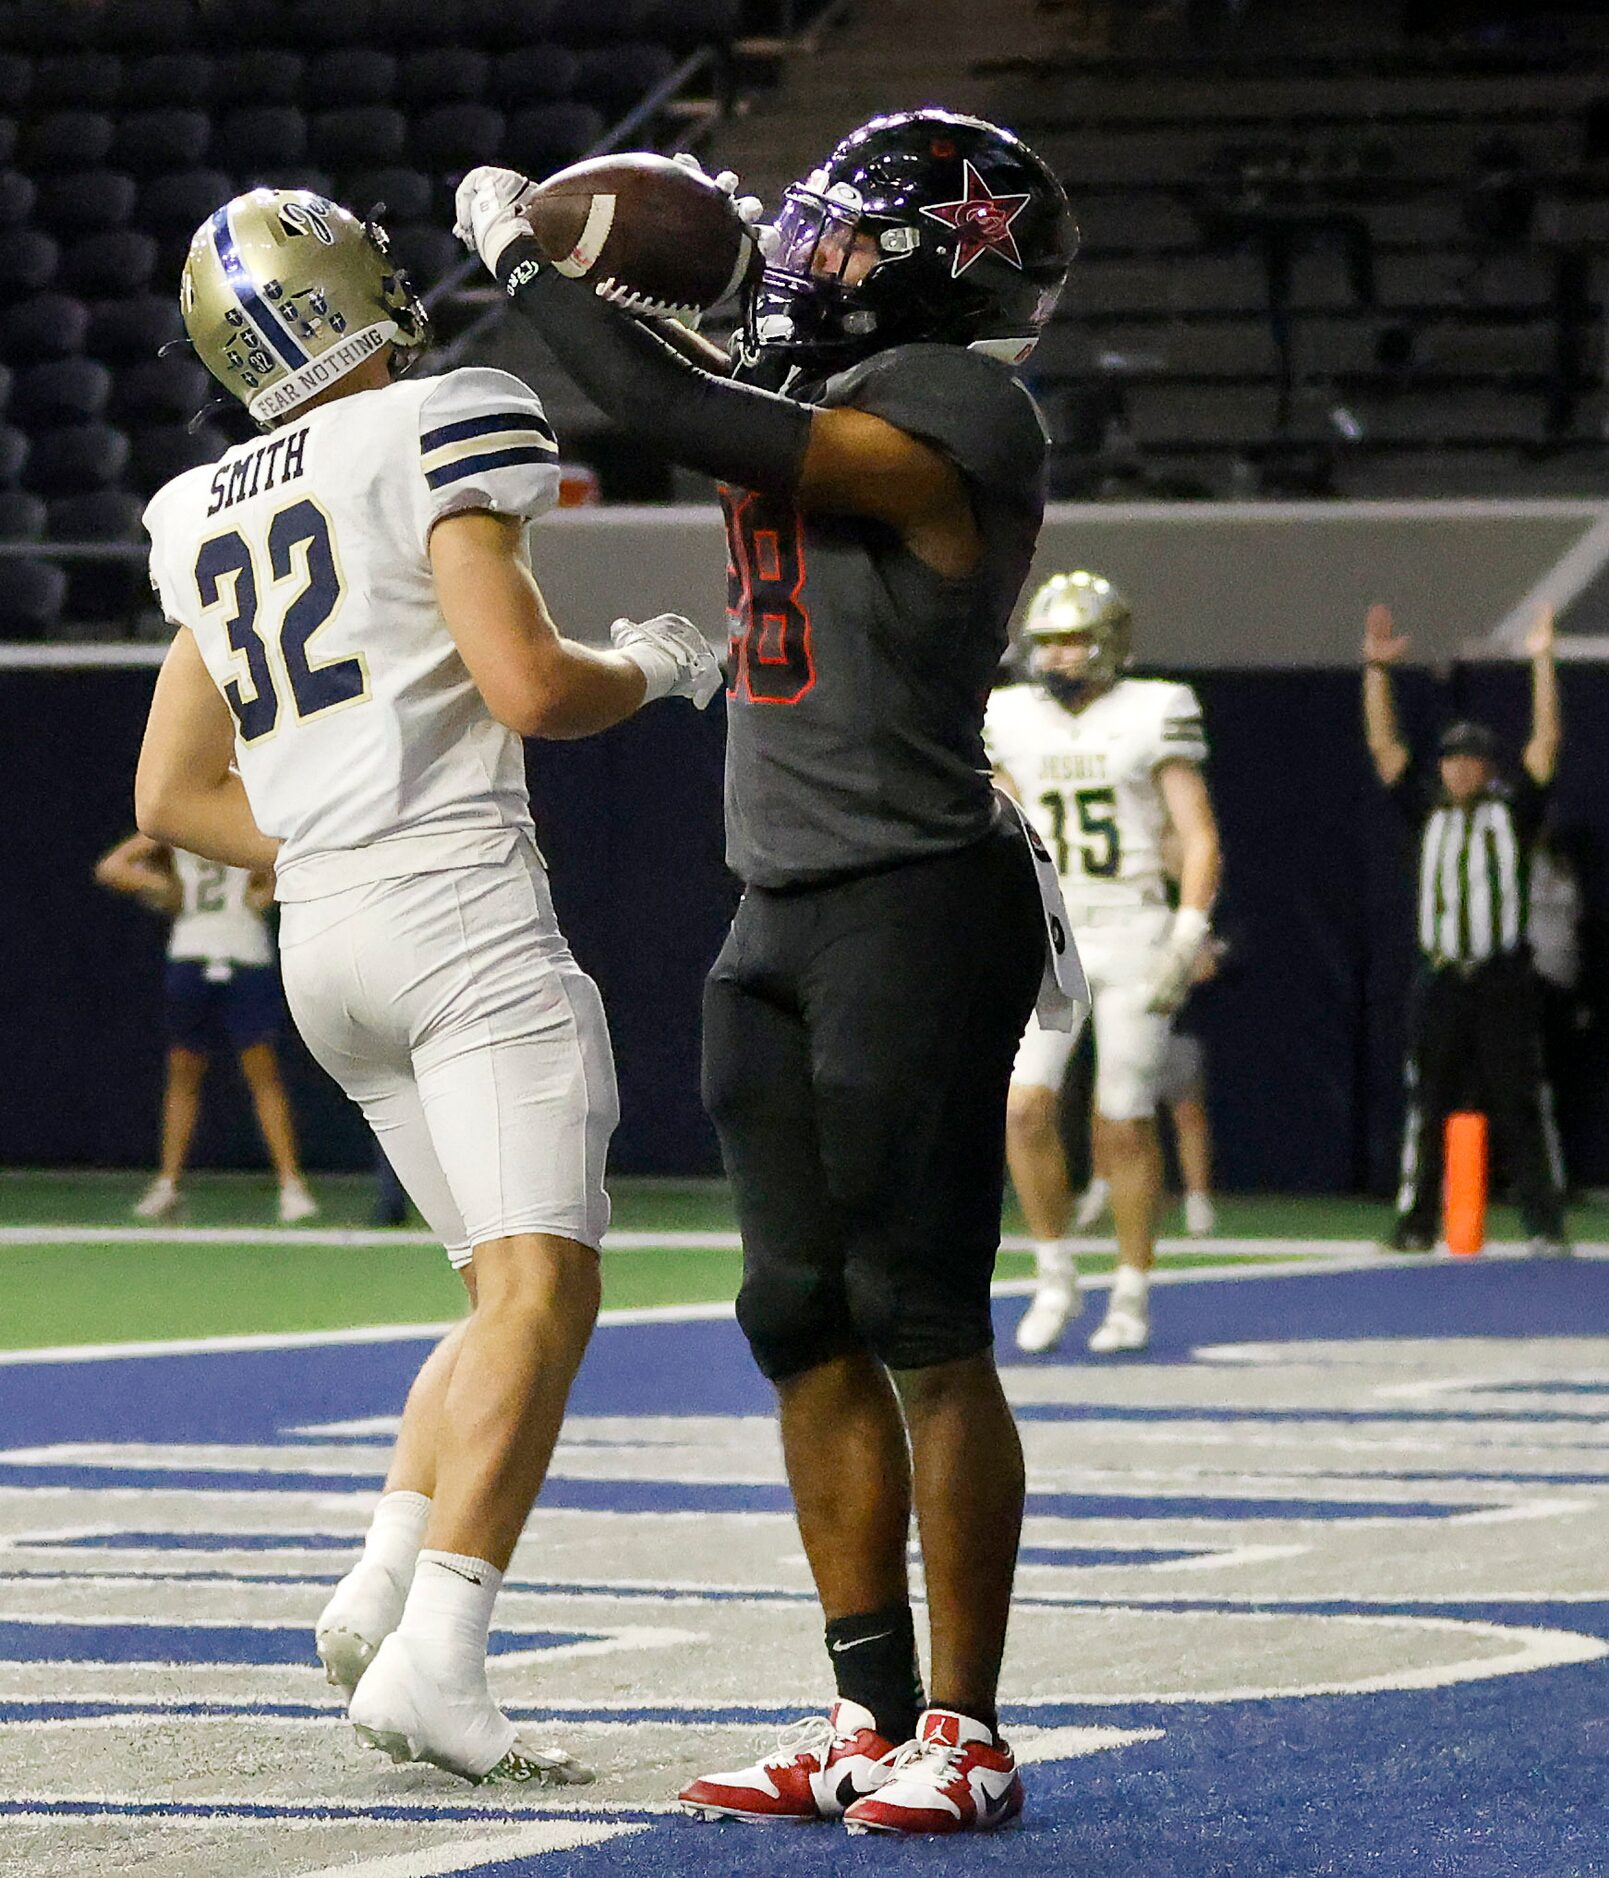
(75, 1292)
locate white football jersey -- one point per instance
(214, 921)
(1088, 780)
(300, 563)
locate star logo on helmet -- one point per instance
(982, 223)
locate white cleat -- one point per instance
(1200, 1216)
(401, 1711)
(1055, 1304)
(295, 1203)
(1127, 1326)
(1092, 1205)
(364, 1610)
(161, 1200)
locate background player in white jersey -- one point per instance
(220, 984)
(360, 644)
(1105, 765)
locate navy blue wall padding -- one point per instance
(1304, 1033)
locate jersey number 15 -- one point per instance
(1099, 846)
(300, 549)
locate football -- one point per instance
(651, 235)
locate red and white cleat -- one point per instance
(820, 1766)
(951, 1778)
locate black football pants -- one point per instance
(858, 1044)
(1475, 1042)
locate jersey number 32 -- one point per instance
(301, 561)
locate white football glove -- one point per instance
(1171, 982)
(749, 209)
(672, 654)
(487, 207)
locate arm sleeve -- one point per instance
(1531, 800)
(1412, 793)
(168, 598)
(967, 405)
(735, 433)
(484, 443)
(1181, 736)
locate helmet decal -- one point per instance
(982, 223)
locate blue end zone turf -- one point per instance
(1459, 1489)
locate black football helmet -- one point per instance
(967, 232)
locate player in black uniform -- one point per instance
(882, 506)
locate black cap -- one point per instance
(1469, 739)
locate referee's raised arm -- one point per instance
(1541, 757)
(1383, 647)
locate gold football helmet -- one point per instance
(284, 292)
(1080, 609)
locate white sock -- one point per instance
(1130, 1287)
(448, 1615)
(1098, 1189)
(396, 1533)
(1053, 1260)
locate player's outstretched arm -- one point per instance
(534, 680)
(186, 791)
(1383, 647)
(1195, 828)
(140, 867)
(1547, 726)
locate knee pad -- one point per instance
(794, 1320)
(914, 1314)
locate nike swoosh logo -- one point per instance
(839, 1648)
(993, 1807)
(848, 1793)
(469, 1578)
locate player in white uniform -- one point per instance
(1105, 766)
(360, 645)
(220, 981)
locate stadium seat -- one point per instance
(406, 194)
(443, 75)
(616, 77)
(75, 458)
(22, 518)
(317, 25)
(368, 135)
(352, 76)
(17, 198)
(242, 26)
(44, 326)
(100, 515)
(13, 455)
(177, 204)
(163, 451)
(147, 25)
(151, 142)
(428, 252)
(16, 80)
(456, 137)
(262, 136)
(8, 139)
(533, 75)
(506, 23)
(46, 26)
(73, 201)
(419, 22)
(161, 391)
(62, 391)
(79, 81)
(183, 79)
(6, 381)
(66, 140)
(545, 139)
(114, 263)
(685, 24)
(31, 598)
(597, 22)
(264, 75)
(28, 262)
(123, 331)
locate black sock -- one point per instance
(874, 1663)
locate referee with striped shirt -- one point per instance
(1474, 1017)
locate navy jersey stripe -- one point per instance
(467, 427)
(262, 316)
(493, 460)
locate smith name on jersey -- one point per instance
(300, 562)
(1088, 781)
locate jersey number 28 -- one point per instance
(771, 659)
(299, 546)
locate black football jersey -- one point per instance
(858, 675)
